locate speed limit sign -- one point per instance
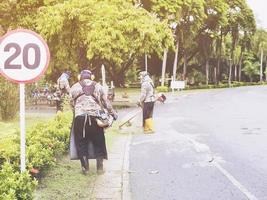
(24, 56)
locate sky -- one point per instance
(259, 8)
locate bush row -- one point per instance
(226, 85)
(220, 85)
(44, 143)
(162, 89)
(9, 95)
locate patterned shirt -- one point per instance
(90, 104)
(63, 84)
(147, 90)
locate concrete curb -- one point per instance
(114, 183)
(126, 194)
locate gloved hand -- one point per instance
(115, 116)
(139, 104)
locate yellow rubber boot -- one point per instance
(148, 128)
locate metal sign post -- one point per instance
(22, 128)
(24, 59)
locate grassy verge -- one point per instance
(65, 181)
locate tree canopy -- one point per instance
(92, 33)
(212, 36)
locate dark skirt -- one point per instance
(147, 111)
(87, 131)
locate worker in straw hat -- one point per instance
(147, 100)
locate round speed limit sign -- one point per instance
(24, 56)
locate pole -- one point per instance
(22, 128)
(146, 62)
(163, 67)
(261, 65)
(103, 75)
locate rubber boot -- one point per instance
(85, 165)
(99, 166)
(148, 128)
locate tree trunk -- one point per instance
(235, 71)
(175, 61)
(185, 66)
(164, 67)
(118, 82)
(146, 62)
(240, 67)
(215, 75)
(207, 71)
(218, 78)
(261, 73)
(230, 73)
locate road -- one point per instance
(210, 145)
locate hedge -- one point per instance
(44, 143)
(220, 85)
(162, 89)
(9, 95)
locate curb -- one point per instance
(126, 195)
(114, 183)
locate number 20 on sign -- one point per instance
(24, 58)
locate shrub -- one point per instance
(162, 89)
(15, 185)
(45, 142)
(9, 95)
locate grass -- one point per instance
(65, 181)
(132, 93)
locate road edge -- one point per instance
(126, 194)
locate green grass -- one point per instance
(133, 94)
(66, 182)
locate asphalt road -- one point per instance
(210, 145)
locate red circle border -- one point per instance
(47, 56)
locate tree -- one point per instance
(260, 47)
(251, 67)
(15, 14)
(241, 20)
(188, 15)
(91, 33)
(212, 33)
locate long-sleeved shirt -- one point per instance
(63, 84)
(147, 90)
(90, 104)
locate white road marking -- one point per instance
(199, 148)
(235, 182)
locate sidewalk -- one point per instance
(113, 184)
